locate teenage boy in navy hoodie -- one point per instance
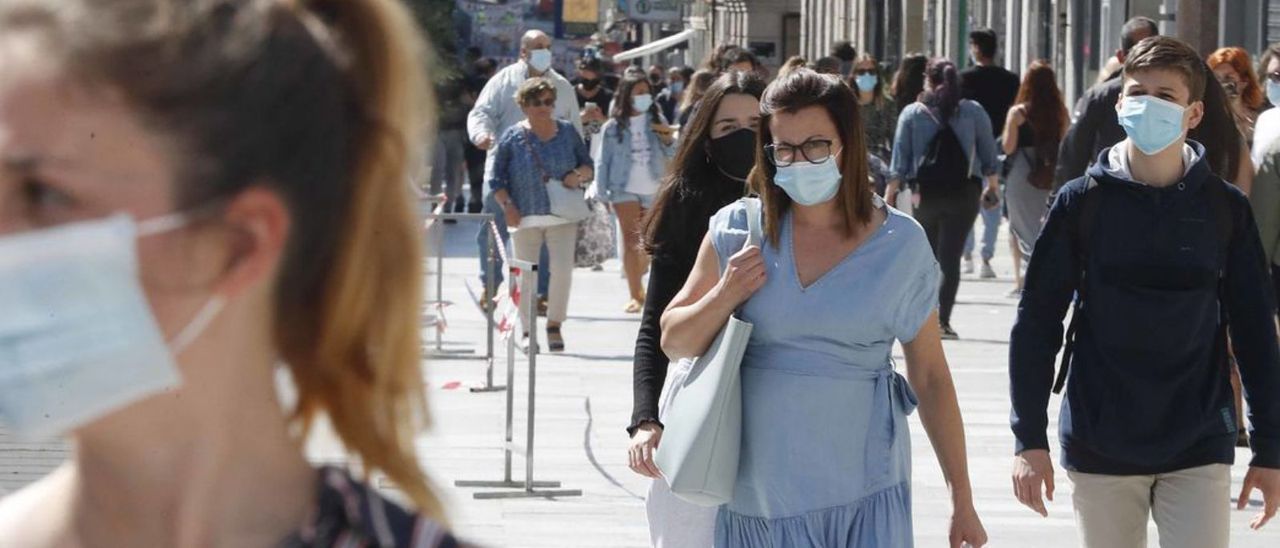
(1170, 254)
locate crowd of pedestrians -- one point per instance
(831, 209)
(1164, 149)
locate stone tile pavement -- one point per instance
(584, 402)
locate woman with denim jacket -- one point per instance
(947, 209)
(636, 144)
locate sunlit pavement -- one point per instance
(584, 402)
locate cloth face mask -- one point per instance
(1151, 123)
(808, 183)
(77, 336)
(734, 153)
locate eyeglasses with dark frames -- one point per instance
(814, 151)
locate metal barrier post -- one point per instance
(439, 351)
(527, 275)
(488, 306)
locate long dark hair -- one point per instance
(801, 89)
(944, 87)
(908, 82)
(623, 110)
(694, 189)
(877, 93)
(1218, 132)
(1046, 112)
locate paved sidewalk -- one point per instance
(584, 402)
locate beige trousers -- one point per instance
(560, 240)
(1191, 508)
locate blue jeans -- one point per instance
(482, 240)
(990, 231)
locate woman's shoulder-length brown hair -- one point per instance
(798, 90)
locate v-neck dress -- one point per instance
(826, 455)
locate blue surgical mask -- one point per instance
(866, 82)
(540, 59)
(677, 86)
(1273, 93)
(642, 102)
(77, 336)
(808, 183)
(1152, 123)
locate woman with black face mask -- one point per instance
(594, 97)
(710, 169)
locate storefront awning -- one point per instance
(655, 46)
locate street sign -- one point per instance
(652, 11)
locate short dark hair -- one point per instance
(1167, 53)
(986, 41)
(593, 64)
(843, 50)
(739, 55)
(1129, 32)
(827, 65)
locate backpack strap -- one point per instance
(1224, 227)
(1086, 218)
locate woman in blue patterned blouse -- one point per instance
(534, 153)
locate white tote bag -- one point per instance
(698, 455)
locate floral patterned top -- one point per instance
(350, 514)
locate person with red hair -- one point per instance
(1234, 70)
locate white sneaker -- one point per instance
(987, 272)
(968, 266)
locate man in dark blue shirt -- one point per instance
(1164, 256)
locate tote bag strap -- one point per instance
(755, 235)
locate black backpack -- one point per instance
(945, 163)
(1220, 209)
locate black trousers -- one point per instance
(947, 216)
(475, 175)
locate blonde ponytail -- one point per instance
(325, 103)
(368, 349)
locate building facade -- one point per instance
(1077, 36)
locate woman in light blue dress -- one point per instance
(825, 457)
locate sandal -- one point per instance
(555, 342)
(542, 307)
(633, 307)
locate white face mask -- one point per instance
(77, 337)
(540, 59)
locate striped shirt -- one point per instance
(350, 514)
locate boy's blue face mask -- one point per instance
(1152, 123)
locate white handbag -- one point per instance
(702, 412)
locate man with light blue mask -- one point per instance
(1163, 259)
(494, 112)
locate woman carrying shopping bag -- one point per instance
(533, 158)
(636, 144)
(710, 169)
(825, 451)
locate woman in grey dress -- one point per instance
(1032, 132)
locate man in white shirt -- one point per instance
(495, 111)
